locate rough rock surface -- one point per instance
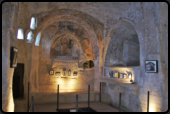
(116, 36)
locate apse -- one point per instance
(64, 46)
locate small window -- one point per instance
(20, 34)
(30, 37)
(33, 23)
(38, 39)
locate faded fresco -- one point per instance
(65, 47)
(85, 47)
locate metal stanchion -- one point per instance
(148, 103)
(88, 96)
(100, 91)
(119, 101)
(32, 99)
(76, 102)
(28, 98)
(58, 98)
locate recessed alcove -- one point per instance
(133, 70)
(122, 55)
(88, 64)
(64, 44)
(123, 49)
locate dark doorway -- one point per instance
(18, 87)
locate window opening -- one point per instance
(38, 39)
(20, 34)
(33, 23)
(30, 37)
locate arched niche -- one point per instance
(77, 21)
(38, 51)
(53, 35)
(123, 47)
(88, 64)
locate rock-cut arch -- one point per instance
(123, 47)
(36, 50)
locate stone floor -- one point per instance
(98, 106)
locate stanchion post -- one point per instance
(28, 98)
(100, 91)
(88, 96)
(58, 98)
(119, 101)
(32, 99)
(76, 102)
(148, 103)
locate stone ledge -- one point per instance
(86, 69)
(123, 67)
(116, 82)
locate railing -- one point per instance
(32, 103)
(64, 88)
(58, 91)
(148, 96)
(28, 97)
(85, 89)
(52, 89)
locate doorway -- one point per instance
(18, 87)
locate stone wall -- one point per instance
(8, 40)
(134, 98)
(163, 39)
(108, 26)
